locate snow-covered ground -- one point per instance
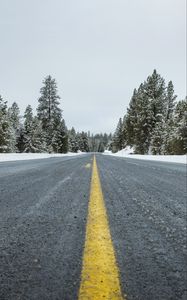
(128, 152)
(28, 156)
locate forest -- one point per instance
(154, 123)
(46, 131)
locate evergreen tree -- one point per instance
(73, 144)
(118, 139)
(142, 126)
(153, 123)
(170, 101)
(178, 137)
(157, 139)
(28, 116)
(49, 112)
(14, 116)
(35, 140)
(7, 135)
(60, 139)
(131, 119)
(83, 142)
(101, 147)
(21, 139)
(148, 107)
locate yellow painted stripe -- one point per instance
(100, 275)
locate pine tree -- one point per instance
(48, 111)
(7, 136)
(154, 123)
(169, 120)
(16, 127)
(158, 137)
(118, 139)
(21, 139)
(147, 108)
(73, 144)
(101, 147)
(14, 116)
(170, 101)
(178, 137)
(60, 139)
(131, 119)
(35, 140)
(28, 116)
(142, 127)
(83, 143)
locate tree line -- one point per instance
(46, 131)
(155, 123)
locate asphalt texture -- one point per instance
(43, 213)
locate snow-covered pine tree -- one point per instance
(118, 139)
(158, 138)
(150, 108)
(178, 137)
(14, 117)
(24, 141)
(142, 126)
(21, 139)
(169, 118)
(157, 104)
(83, 143)
(170, 100)
(28, 119)
(48, 110)
(7, 134)
(60, 138)
(35, 139)
(131, 119)
(101, 147)
(154, 123)
(72, 139)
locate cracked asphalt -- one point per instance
(43, 213)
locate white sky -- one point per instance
(98, 51)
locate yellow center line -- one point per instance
(100, 275)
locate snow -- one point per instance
(27, 156)
(128, 152)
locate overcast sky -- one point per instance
(98, 51)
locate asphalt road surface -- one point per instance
(43, 215)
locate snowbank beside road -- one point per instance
(28, 156)
(128, 152)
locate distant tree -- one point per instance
(177, 143)
(35, 140)
(101, 147)
(131, 119)
(157, 138)
(21, 139)
(48, 111)
(170, 101)
(72, 139)
(28, 119)
(14, 116)
(118, 139)
(60, 138)
(83, 143)
(7, 134)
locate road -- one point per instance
(43, 220)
